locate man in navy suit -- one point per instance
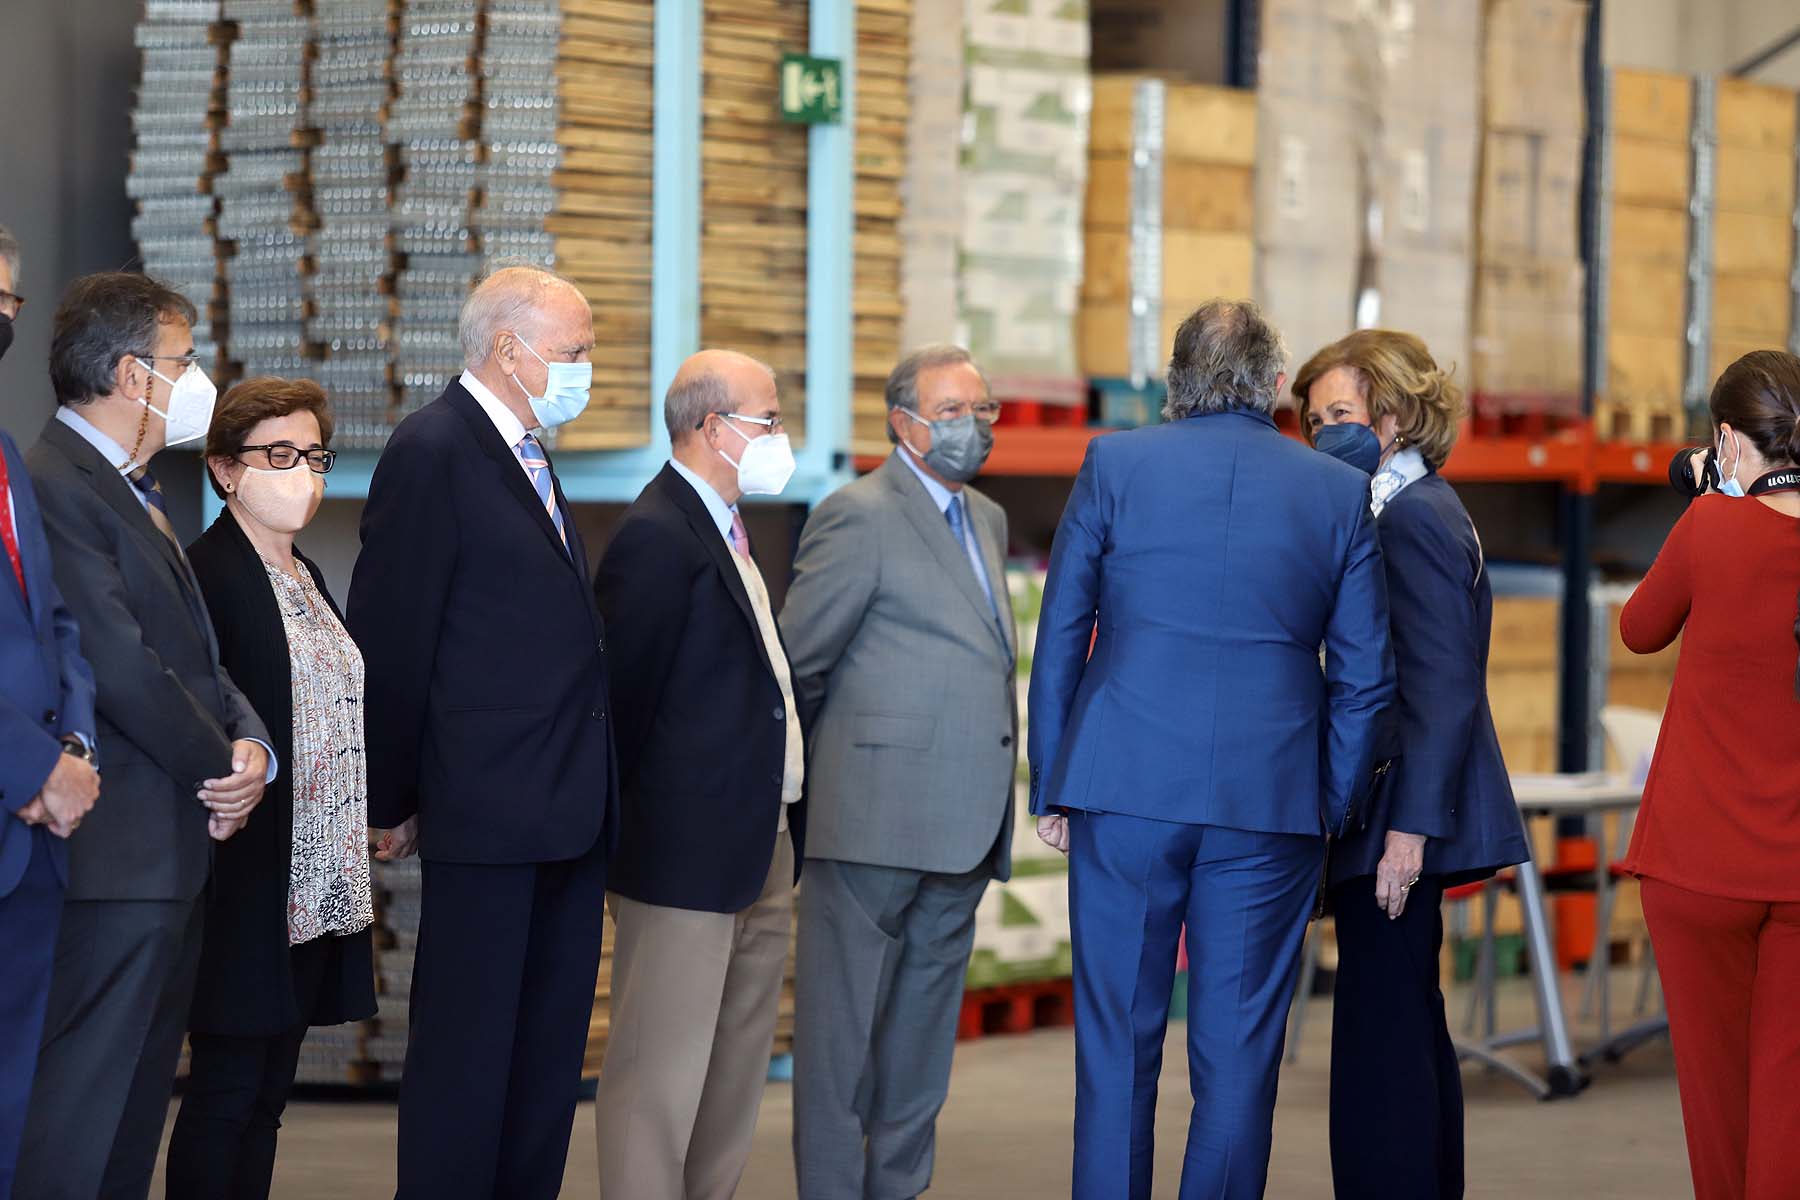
(1192, 766)
(47, 778)
(490, 744)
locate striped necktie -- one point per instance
(531, 454)
(145, 483)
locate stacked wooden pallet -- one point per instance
(1649, 127)
(753, 194)
(883, 104)
(1193, 238)
(603, 206)
(1753, 221)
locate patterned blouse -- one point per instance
(328, 874)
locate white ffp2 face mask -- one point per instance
(766, 464)
(191, 400)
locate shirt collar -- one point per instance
(940, 495)
(1403, 470)
(512, 430)
(111, 451)
(716, 507)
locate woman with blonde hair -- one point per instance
(1440, 811)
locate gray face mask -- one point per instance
(958, 447)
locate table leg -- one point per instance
(1566, 1076)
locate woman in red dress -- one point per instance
(1717, 844)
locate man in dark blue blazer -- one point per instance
(490, 745)
(47, 780)
(1192, 765)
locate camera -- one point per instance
(1694, 471)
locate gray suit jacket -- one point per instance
(906, 683)
(166, 711)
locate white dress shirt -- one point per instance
(512, 430)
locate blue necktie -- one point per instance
(531, 454)
(959, 528)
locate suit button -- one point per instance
(50, 715)
(601, 647)
(599, 714)
(775, 778)
(779, 713)
(1006, 741)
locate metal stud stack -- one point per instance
(264, 206)
(397, 894)
(176, 121)
(518, 124)
(353, 279)
(433, 121)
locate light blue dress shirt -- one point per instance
(720, 511)
(943, 497)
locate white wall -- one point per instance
(1692, 36)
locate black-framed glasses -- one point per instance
(772, 424)
(11, 302)
(283, 457)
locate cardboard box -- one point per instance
(1425, 185)
(1652, 105)
(1646, 297)
(1309, 178)
(1323, 53)
(1196, 196)
(1427, 294)
(1104, 334)
(1526, 352)
(1532, 74)
(1725, 351)
(1530, 198)
(1651, 173)
(1756, 116)
(1752, 245)
(1200, 123)
(1194, 264)
(1646, 371)
(1308, 294)
(1650, 234)
(1752, 308)
(1754, 181)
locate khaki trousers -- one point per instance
(694, 1001)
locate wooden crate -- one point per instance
(603, 213)
(883, 108)
(1753, 233)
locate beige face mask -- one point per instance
(284, 501)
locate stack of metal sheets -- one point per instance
(352, 282)
(433, 122)
(518, 124)
(397, 902)
(264, 206)
(175, 128)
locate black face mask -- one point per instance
(6, 332)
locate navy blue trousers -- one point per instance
(1245, 899)
(29, 917)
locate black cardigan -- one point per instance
(246, 984)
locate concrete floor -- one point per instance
(1004, 1132)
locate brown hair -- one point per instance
(1759, 396)
(1397, 377)
(249, 403)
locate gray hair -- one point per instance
(1226, 356)
(903, 380)
(101, 319)
(9, 250)
(510, 298)
(700, 389)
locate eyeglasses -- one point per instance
(186, 360)
(987, 410)
(282, 457)
(11, 302)
(772, 424)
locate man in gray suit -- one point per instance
(901, 638)
(184, 758)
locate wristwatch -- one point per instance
(74, 747)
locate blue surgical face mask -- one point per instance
(1350, 443)
(566, 387)
(1728, 484)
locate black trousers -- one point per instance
(223, 1147)
(1396, 1087)
(119, 997)
(503, 990)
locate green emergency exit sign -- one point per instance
(811, 90)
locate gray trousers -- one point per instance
(879, 982)
(119, 997)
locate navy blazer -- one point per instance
(46, 686)
(486, 667)
(1215, 556)
(702, 726)
(1447, 780)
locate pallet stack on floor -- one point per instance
(1648, 156)
(602, 218)
(1526, 351)
(1169, 216)
(753, 195)
(175, 122)
(1753, 222)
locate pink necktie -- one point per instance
(740, 540)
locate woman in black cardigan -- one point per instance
(289, 911)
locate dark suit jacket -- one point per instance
(167, 711)
(46, 686)
(1447, 779)
(702, 728)
(246, 983)
(487, 683)
(1216, 556)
